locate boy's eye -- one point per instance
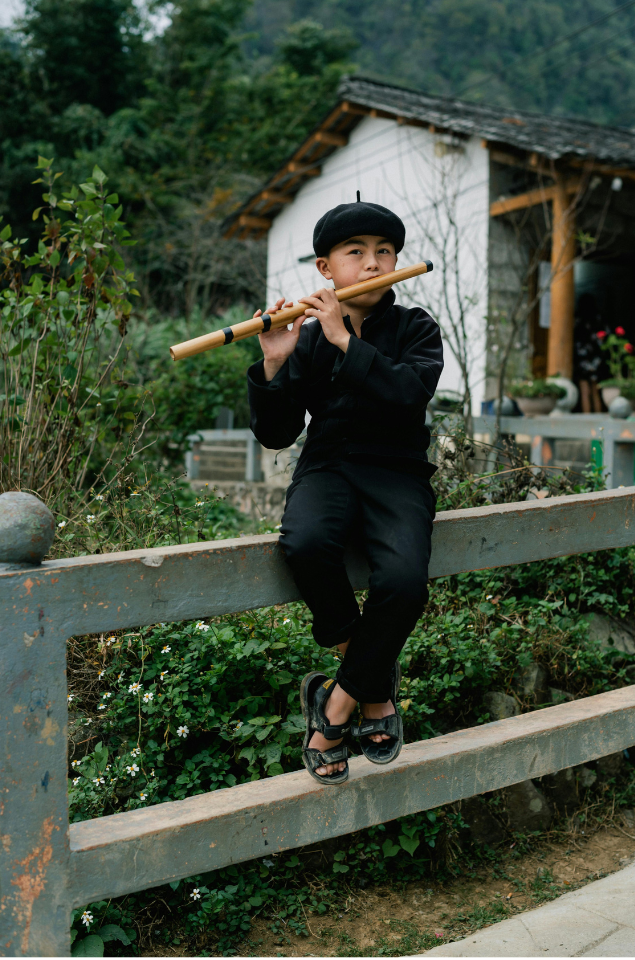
(383, 250)
(355, 250)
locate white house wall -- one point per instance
(440, 190)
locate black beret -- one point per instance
(353, 220)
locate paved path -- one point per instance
(595, 921)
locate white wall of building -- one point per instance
(440, 190)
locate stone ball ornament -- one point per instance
(27, 528)
(620, 408)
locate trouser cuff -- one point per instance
(334, 637)
(374, 694)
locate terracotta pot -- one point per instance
(536, 406)
(609, 394)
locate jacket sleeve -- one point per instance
(278, 407)
(408, 383)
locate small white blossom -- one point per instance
(106, 695)
(87, 918)
(489, 596)
(102, 706)
(286, 621)
(70, 697)
(120, 676)
(90, 518)
(136, 752)
(76, 781)
(183, 731)
(100, 674)
(98, 780)
(143, 796)
(61, 524)
(88, 720)
(133, 769)
(163, 674)
(111, 640)
(134, 688)
(108, 766)
(135, 494)
(75, 763)
(202, 626)
(147, 697)
(195, 894)
(166, 649)
(239, 724)
(199, 503)
(99, 496)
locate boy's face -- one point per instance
(359, 258)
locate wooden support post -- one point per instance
(560, 347)
(35, 909)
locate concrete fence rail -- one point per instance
(46, 867)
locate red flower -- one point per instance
(628, 347)
(601, 334)
(620, 331)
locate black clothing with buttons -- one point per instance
(363, 473)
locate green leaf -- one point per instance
(409, 844)
(389, 848)
(275, 770)
(112, 932)
(42, 163)
(88, 189)
(55, 258)
(6, 233)
(19, 347)
(91, 946)
(98, 175)
(273, 752)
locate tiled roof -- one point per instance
(553, 137)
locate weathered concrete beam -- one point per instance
(144, 848)
(110, 591)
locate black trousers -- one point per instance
(389, 513)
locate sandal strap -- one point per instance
(332, 732)
(320, 758)
(366, 727)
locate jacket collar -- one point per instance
(380, 309)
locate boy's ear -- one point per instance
(322, 264)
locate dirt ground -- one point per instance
(384, 921)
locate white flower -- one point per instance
(286, 621)
(90, 518)
(239, 724)
(102, 706)
(98, 780)
(135, 494)
(134, 688)
(133, 769)
(195, 895)
(76, 781)
(87, 918)
(120, 676)
(108, 766)
(70, 697)
(147, 697)
(61, 524)
(489, 596)
(199, 503)
(163, 674)
(99, 496)
(100, 674)
(88, 720)
(278, 525)
(111, 640)
(136, 752)
(166, 649)
(183, 731)
(106, 695)
(202, 626)
(75, 763)
(143, 796)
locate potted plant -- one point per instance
(536, 397)
(620, 360)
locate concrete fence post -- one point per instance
(34, 845)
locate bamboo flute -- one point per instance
(249, 328)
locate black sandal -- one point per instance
(386, 750)
(315, 690)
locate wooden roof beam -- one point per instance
(531, 198)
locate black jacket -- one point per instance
(368, 403)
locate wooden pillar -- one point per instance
(560, 348)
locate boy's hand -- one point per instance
(325, 307)
(278, 344)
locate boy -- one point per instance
(365, 372)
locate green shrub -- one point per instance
(536, 388)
